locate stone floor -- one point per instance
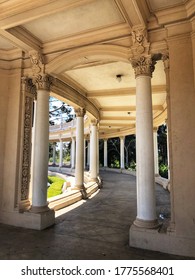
(89, 230)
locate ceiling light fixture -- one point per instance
(119, 77)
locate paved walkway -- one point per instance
(94, 229)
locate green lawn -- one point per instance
(55, 187)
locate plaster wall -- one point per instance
(3, 110)
(182, 114)
(11, 141)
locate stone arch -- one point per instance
(68, 60)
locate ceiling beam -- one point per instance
(127, 108)
(128, 118)
(159, 89)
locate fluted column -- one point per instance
(105, 153)
(79, 170)
(122, 154)
(146, 204)
(41, 151)
(93, 151)
(61, 153)
(156, 165)
(73, 153)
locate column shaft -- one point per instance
(73, 153)
(54, 154)
(98, 154)
(146, 209)
(122, 154)
(61, 154)
(79, 170)
(105, 153)
(156, 166)
(93, 152)
(41, 152)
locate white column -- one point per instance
(40, 153)
(32, 151)
(168, 156)
(146, 208)
(93, 151)
(54, 154)
(84, 155)
(61, 153)
(105, 153)
(79, 170)
(88, 153)
(98, 154)
(156, 166)
(122, 154)
(73, 153)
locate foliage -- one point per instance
(59, 111)
(55, 187)
(163, 170)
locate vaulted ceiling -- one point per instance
(60, 27)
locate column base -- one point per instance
(94, 180)
(146, 224)
(37, 221)
(39, 209)
(24, 205)
(82, 189)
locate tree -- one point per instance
(59, 111)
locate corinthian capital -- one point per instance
(143, 66)
(80, 112)
(43, 81)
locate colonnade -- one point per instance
(146, 150)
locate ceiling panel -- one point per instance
(73, 21)
(5, 44)
(163, 4)
(104, 76)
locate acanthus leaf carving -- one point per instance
(143, 66)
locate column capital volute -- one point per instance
(80, 112)
(143, 65)
(43, 82)
(155, 129)
(122, 137)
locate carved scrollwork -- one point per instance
(26, 159)
(143, 66)
(43, 82)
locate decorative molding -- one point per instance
(43, 82)
(140, 42)
(37, 63)
(165, 59)
(143, 66)
(29, 93)
(80, 112)
(94, 122)
(28, 86)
